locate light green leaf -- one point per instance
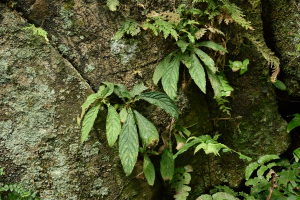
(212, 45)
(123, 114)
(215, 83)
(113, 125)
(261, 171)
(262, 160)
(223, 196)
(204, 197)
(250, 168)
(89, 101)
(186, 147)
(270, 165)
(295, 122)
(161, 68)
(101, 88)
(161, 100)
(107, 91)
(88, 121)
(167, 164)
(186, 60)
(112, 4)
(296, 154)
(183, 129)
(138, 89)
(182, 44)
(128, 144)
(147, 130)
(280, 85)
(197, 73)
(208, 61)
(149, 170)
(121, 91)
(212, 148)
(201, 146)
(170, 78)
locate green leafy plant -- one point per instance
(209, 145)
(129, 27)
(131, 119)
(280, 85)
(238, 65)
(37, 31)
(15, 191)
(112, 4)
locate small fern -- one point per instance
(37, 31)
(129, 27)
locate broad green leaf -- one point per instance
(250, 168)
(88, 121)
(113, 125)
(107, 91)
(215, 83)
(212, 45)
(197, 73)
(223, 196)
(161, 68)
(138, 89)
(295, 122)
(208, 61)
(167, 164)
(296, 154)
(128, 144)
(186, 147)
(261, 171)
(112, 4)
(183, 129)
(170, 78)
(147, 130)
(89, 101)
(123, 114)
(262, 160)
(149, 170)
(204, 197)
(182, 44)
(280, 85)
(161, 100)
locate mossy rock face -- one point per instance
(41, 94)
(282, 32)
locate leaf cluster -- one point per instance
(180, 182)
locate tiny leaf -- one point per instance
(113, 125)
(149, 170)
(280, 85)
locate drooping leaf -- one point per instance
(167, 164)
(183, 129)
(161, 68)
(295, 122)
(149, 170)
(89, 101)
(250, 168)
(186, 147)
(212, 45)
(170, 78)
(215, 83)
(262, 160)
(88, 121)
(113, 125)
(200, 146)
(128, 143)
(208, 61)
(123, 114)
(147, 130)
(138, 89)
(182, 44)
(296, 154)
(280, 85)
(197, 73)
(161, 100)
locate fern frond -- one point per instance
(160, 25)
(272, 60)
(37, 31)
(129, 27)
